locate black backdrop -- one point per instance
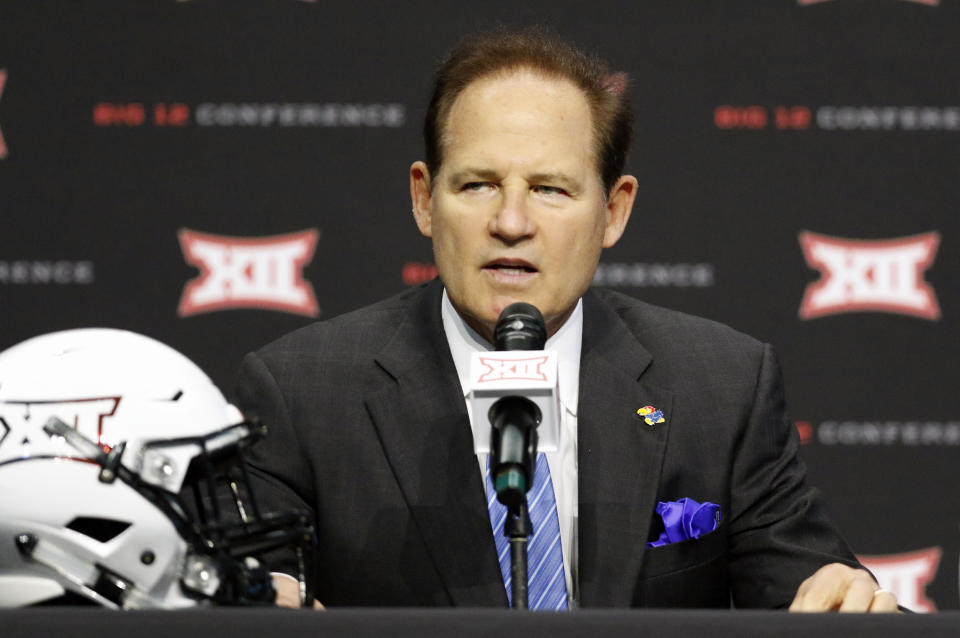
(125, 123)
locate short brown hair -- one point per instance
(543, 52)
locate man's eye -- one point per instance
(549, 190)
(475, 186)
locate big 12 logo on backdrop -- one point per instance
(931, 3)
(249, 272)
(870, 275)
(907, 575)
(3, 145)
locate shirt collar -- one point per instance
(464, 340)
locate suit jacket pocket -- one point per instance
(658, 561)
(691, 573)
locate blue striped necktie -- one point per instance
(547, 585)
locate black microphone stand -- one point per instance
(518, 528)
(513, 463)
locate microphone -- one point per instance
(515, 390)
(520, 327)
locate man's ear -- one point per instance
(619, 207)
(420, 197)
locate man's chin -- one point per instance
(501, 303)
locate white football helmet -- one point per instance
(120, 482)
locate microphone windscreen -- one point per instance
(520, 327)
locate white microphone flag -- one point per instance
(519, 373)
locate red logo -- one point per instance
(870, 275)
(513, 369)
(310, 1)
(3, 146)
(931, 3)
(248, 272)
(417, 273)
(906, 575)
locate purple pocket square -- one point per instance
(685, 519)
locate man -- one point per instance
(522, 188)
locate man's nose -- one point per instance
(512, 221)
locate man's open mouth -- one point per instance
(510, 266)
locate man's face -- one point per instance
(517, 211)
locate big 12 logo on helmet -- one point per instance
(20, 422)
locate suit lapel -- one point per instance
(422, 423)
(619, 456)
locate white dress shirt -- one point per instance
(463, 341)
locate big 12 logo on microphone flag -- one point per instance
(496, 368)
(870, 275)
(249, 272)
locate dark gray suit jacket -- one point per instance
(368, 430)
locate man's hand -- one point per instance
(288, 592)
(837, 587)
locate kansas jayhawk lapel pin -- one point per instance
(650, 415)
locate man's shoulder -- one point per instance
(689, 353)
(364, 329)
(663, 330)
